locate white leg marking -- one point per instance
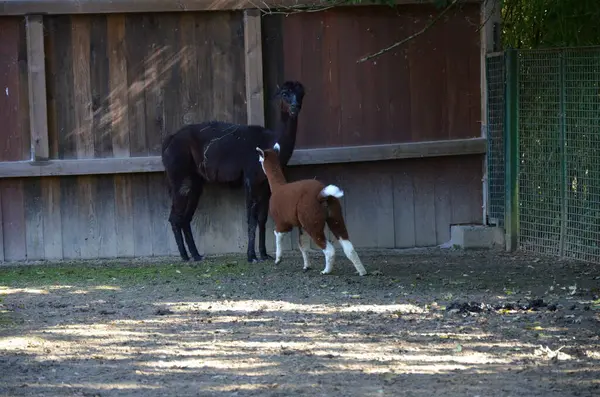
(304, 245)
(278, 242)
(329, 252)
(353, 256)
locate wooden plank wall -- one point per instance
(424, 90)
(118, 83)
(14, 136)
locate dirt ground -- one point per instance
(423, 323)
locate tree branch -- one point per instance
(414, 35)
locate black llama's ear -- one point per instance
(260, 151)
(277, 148)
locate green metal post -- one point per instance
(511, 145)
(563, 154)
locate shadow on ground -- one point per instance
(225, 328)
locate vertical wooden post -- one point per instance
(489, 19)
(511, 150)
(255, 105)
(36, 70)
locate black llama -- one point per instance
(221, 152)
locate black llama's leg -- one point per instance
(252, 217)
(176, 220)
(263, 215)
(192, 203)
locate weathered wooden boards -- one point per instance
(118, 83)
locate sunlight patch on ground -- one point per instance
(274, 306)
(97, 386)
(226, 363)
(17, 342)
(107, 288)
(8, 290)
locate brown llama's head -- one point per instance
(269, 156)
(291, 94)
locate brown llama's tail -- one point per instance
(335, 218)
(330, 191)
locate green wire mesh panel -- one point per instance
(495, 137)
(540, 187)
(582, 120)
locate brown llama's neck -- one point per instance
(287, 140)
(274, 173)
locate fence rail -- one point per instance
(558, 158)
(350, 154)
(25, 7)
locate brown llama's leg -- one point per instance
(280, 231)
(335, 221)
(304, 245)
(318, 236)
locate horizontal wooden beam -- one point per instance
(395, 151)
(50, 7)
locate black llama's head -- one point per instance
(291, 94)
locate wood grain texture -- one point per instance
(60, 86)
(163, 242)
(52, 218)
(34, 219)
(100, 86)
(12, 104)
(1, 230)
(341, 155)
(118, 109)
(105, 209)
(124, 227)
(119, 83)
(83, 132)
(219, 223)
(369, 207)
(254, 70)
(37, 87)
(13, 219)
(404, 207)
(154, 85)
(136, 78)
(399, 203)
(142, 224)
(23, 7)
(405, 95)
(424, 207)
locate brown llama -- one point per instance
(308, 205)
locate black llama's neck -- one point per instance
(287, 140)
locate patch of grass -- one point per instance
(114, 273)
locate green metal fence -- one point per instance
(495, 138)
(553, 118)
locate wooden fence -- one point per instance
(91, 87)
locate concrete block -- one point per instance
(475, 236)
